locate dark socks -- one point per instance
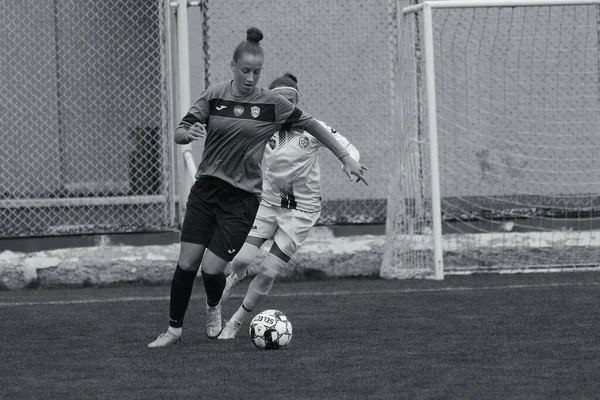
(214, 285)
(181, 291)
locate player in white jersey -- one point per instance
(290, 207)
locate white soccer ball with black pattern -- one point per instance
(270, 330)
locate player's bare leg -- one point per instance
(257, 291)
(239, 265)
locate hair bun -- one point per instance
(254, 35)
(291, 76)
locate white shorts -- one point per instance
(287, 227)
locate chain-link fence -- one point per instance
(86, 116)
(84, 111)
(343, 53)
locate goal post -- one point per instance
(497, 110)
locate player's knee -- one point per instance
(190, 256)
(188, 265)
(239, 263)
(189, 261)
(263, 282)
(245, 257)
(272, 267)
(267, 273)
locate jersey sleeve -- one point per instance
(199, 112)
(343, 141)
(292, 117)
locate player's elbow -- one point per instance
(180, 135)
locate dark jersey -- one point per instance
(239, 127)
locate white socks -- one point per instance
(257, 291)
(175, 331)
(240, 315)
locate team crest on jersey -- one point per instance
(272, 144)
(238, 110)
(255, 111)
(303, 142)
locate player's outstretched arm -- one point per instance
(351, 166)
(354, 153)
(345, 143)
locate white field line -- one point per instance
(309, 294)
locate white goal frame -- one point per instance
(426, 8)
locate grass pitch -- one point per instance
(482, 336)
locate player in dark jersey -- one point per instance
(237, 119)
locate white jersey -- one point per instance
(291, 173)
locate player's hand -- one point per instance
(196, 132)
(352, 167)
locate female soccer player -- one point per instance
(237, 118)
(290, 207)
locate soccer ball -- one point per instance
(270, 330)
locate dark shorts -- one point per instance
(218, 216)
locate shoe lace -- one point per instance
(232, 327)
(230, 284)
(167, 335)
(213, 315)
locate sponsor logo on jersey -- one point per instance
(221, 108)
(254, 228)
(272, 144)
(255, 111)
(303, 142)
(238, 110)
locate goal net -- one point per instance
(497, 137)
